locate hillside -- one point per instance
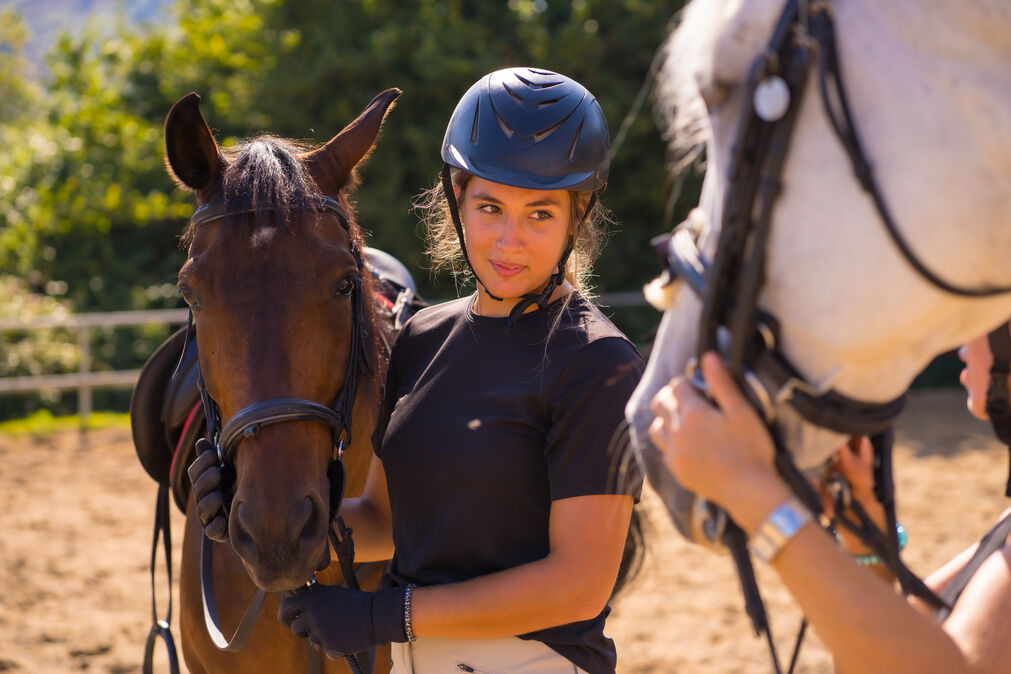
(47, 19)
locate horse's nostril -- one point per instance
(238, 527)
(306, 522)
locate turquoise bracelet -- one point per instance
(872, 559)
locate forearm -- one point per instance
(571, 583)
(865, 624)
(372, 529)
(529, 597)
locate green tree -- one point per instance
(89, 215)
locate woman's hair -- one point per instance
(443, 246)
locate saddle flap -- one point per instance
(146, 404)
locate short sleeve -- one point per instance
(587, 443)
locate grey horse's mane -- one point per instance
(680, 109)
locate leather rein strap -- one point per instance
(248, 421)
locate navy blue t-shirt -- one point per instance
(487, 429)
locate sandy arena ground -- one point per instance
(75, 528)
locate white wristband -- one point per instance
(779, 527)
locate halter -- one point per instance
(729, 283)
(247, 422)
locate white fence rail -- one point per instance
(84, 380)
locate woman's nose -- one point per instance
(510, 236)
(962, 354)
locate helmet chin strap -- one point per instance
(556, 279)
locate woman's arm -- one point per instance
(573, 582)
(725, 454)
(369, 517)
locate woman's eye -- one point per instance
(542, 215)
(347, 286)
(489, 209)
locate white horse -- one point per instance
(929, 84)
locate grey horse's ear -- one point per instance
(332, 164)
(193, 157)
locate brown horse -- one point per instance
(271, 278)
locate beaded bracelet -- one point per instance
(872, 559)
(407, 612)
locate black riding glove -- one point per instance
(205, 476)
(339, 620)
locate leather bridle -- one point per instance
(729, 284)
(247, 422)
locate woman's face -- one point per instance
(976, 375)
(514, 237)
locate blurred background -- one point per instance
(89, 219)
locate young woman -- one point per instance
(725, 454)
(493, 486)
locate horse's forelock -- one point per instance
(266, 173)
(680, 110)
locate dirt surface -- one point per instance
(76, 523)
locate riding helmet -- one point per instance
(530, 128)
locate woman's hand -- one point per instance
(854, 463)
(340, 621)
(722, 452)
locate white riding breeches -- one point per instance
(508, 655)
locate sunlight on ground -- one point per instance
(43, 423)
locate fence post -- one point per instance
(84, 391)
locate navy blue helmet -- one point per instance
(530, 128)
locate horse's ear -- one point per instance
(332, 164)
(193, 156)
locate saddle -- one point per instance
(166, 414)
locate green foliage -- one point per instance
(88, 213)
(45, 351)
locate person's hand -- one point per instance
(205, 476)
(854, 463)
(340, 621)
(719, 452)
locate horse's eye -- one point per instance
(347, 286)
(185, 293)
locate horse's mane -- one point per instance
(680, 110)
(266, 174)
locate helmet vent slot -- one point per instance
(544, 133)
(550, 101)
(515, 95)
(473, 128)
(575, 141)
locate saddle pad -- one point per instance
(146, 404)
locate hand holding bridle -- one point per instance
(205, 476)
(721, 451)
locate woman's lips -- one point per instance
(506, 269)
